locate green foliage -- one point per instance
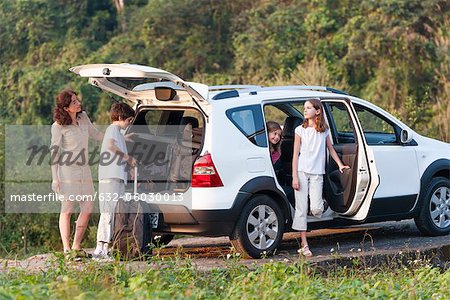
(389, 52)
(176, 279)
(386, 51)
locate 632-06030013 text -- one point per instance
(155, 197)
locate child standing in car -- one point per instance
(308, 167)
(112, 175)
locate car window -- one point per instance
(194, 114)
(275, 114)
(131, 83)
(249, 120)
(161, 122)
(377, 130)
(340, 123)
(152, 117)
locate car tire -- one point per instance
(259, 229)
(434, 215)
(163, 239)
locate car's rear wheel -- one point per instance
(434, 216)
(259, 229)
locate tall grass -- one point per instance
(180, 278)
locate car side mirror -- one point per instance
(405, 136)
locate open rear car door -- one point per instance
(146, 85)
(349, 194)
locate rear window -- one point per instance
(165, 122)
(141, 84)
(249, 120)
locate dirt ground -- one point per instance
(328, 245)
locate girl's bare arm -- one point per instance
(334, 155)
(295, 153)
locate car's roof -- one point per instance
(259, 95)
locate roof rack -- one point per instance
(299, 87)
(231, 91)
(226, 94)
(232, 87)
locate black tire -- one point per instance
(266, 236)
(434, 218)
(164, 239)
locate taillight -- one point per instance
(204, 173)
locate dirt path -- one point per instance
(390, 238)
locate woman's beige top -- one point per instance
(72, 157)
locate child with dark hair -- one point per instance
(274, 130)
(112, 175)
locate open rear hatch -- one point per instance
(168, 127)
(145, 85)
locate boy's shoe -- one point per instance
(98, 248)
(108, 258)
(98, 255)
(103, 257)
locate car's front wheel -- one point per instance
(434, 216)
(259, 229)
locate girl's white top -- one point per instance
(312, 150)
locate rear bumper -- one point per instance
(181, 220)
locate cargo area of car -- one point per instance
(165, 142)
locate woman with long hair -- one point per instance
(71, 175)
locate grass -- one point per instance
(179, 278)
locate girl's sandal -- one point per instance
(82, 254)
(71, 255)
(305, 251)
(76, 255)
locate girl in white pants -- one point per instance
(308, 167)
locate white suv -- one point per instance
(233, 189)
